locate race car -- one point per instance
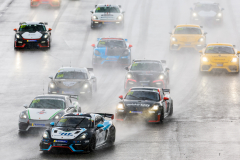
(187, 36)
(45, 109)
(206, 12)
(111, 51)
(147, 73)
(53, 3)
(32, 35)
(147, 103)
(79, 132)
(219, 56)
(104, 14)
(73, 81)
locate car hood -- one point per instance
(138, 103)
(66, 133)
(31, 35)
(42, 114)
(187, 37)
(207, 14)
(108, 16)
(107, 51)
(145, 75)
(69, 83)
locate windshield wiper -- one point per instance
(79, 123)
(134, 96)
(146, 98)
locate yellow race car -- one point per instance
(187, 36)
(219, 56)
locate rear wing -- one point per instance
(106, 115)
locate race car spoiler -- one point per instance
(106, 115)
(166, 90)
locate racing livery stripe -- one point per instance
(55, 114)
(29, 115)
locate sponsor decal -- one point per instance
(42, 112)
(69, 84)
(38, 125)
(31, 40)
(139, 105)
(65, 134)
(60, 141)
(135, 112)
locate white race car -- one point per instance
(104, 14)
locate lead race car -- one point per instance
(148, 73)
(45, 109)
(111, 51)
(79, 132)
(53, 3)
(147, 103)
(32, 35)
(104, 14)
(73, 81)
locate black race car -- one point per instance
(151, 73)
(79, 132)
(147, 103)
(73, 81)
(32, 35)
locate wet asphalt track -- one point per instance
(205, 124)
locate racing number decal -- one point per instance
(130, 93)
(60, 75)
(134, 64)
(36, 101)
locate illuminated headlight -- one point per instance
(129, 76)
(204, 59)
(194, 14)
(161, 77)
(52, 85)
(174, 39)
(45, 36)
(23, 115)
(57, 116)
(85, 86)
(120, 106)
(155, 107)
(219, 14)
(201, 40)
(119, 17)
(94, 17)
(82, 136)
(234, 60)
(17, 36)
(45, 135)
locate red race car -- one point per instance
(53, 3)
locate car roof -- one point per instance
(107, 5)
(52, 96)
(121, 39)
(145, 88)
(188, 25)
(144, 60)
(73, 69)
(28, 22)
(206, 2)
(219, 44)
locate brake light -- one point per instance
(112, 117)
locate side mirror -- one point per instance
(222, 9)
(205, 33)
(93, 45)
(25, 106)
(71, 107)
(130, 46)
(52, 124)
(126, 68)
(200, 51)
(91, 11)
(100, 125)
(165, 98)
(49, 29)
(121, 97)
(15, 29)
(238, 52)
(51, 77)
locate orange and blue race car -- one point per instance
(53, 3)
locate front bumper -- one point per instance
(99, 23)
(230, 66)
(179, 45)
(80, 92)
(25, 125)
(30, 43)
(72, 145)
(207, 20)
(53, 3)
(129, 83)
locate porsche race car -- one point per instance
(45, 109)
(79, 132)
(111, 51)
(104, 14)
(219, 56)
(145, 103)
(73, 81)
(147, 73)
(32, 35)
(53, 3)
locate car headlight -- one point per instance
(161, 76)
(204, 59)
(52, 85)
(23, 115)
(58, 116)
(174, 39)
(219, 14)
(46, 135)
(119, 17)
(17, 36)
(97, 52)
(234, 60)
(120, 106)
(94, 17)
(129, 76)
(82, 136)
(155, 107)
(201, 40)
(45, 36)
(194, 14)
(85, 86)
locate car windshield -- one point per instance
(74, 122)
(220, 49)
(206, 7)
(142, 95)
(32, 28)
(146, 66)
(71, 75)
(112, 44)
(48, 104)
(107, 9)
(187, 30)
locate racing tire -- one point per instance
(92, 144)
(171, 109)
(92, 25)
(162, 116)
(112, 136)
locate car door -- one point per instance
(100, 133)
